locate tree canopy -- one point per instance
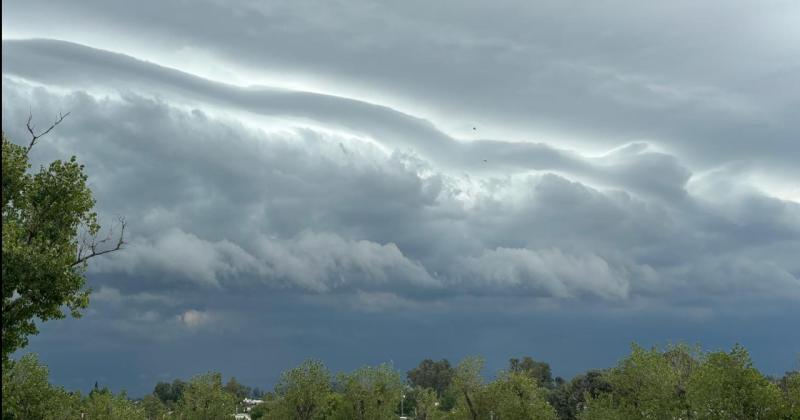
(49, 234)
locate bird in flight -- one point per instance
(474, 128)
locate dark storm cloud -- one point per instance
(420, 214)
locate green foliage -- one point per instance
(303, 392)
(790, 384)
(468, 386)
(240, 391)
(103, 404)
(27, 394)
(153, 407)
(569, 398)
(515, 395)
(42, 264)
(432, 375)
(540, 371)
(169, 393)
(426, 403)
(648, 384)
(679, 383)
(205, 398)
(726, 385)
(370, 393)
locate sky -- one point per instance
(365, 182)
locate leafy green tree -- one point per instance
(726, 385)
(426, 403)
(49, 234)
(790, 384)
(154, 409)
(602, 407)
(645, 386)
(433, 375)
(267, 409)
(370, 393)
(515, 395)
(468, 385)
(303, 391)
(27, 394)
(540, 371)
(103, 404)
(169, 393)
(569, 398)
(240, 391)
(204, 397)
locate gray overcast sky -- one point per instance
(389, 181)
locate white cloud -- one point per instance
(194, 319)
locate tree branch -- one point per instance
(32, 128)
(92, 248)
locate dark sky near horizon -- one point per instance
(367, 182)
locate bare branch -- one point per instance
(32, 128)
(90, 248)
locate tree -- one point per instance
(540, 371)
(154, 409)
(370, 393)
(726, 385)
(515, 395)
(426, 404)
(27, 394)
(205, 398)
(645, 385)
(569, 398)
(169, 394)
(790, 385)
(468, 385)
(103, 404)
(49, 234)
(303, 391)
(240, 391)
(433, 375)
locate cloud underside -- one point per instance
(253, 189)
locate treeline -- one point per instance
(679, 382)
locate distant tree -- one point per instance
(169, 393)
(204, 397)
(257, 393)
(468, 385)
(49, 234)
(27, 394)
(303, 391)
(515, 395)
(569, 398)
(726, 385)
(540, 371)
(103, 404)
(154, 409)
(433, 375)
(790, 385)
(240, 391)
(644, 386)
(426, 403)
(370, 393)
